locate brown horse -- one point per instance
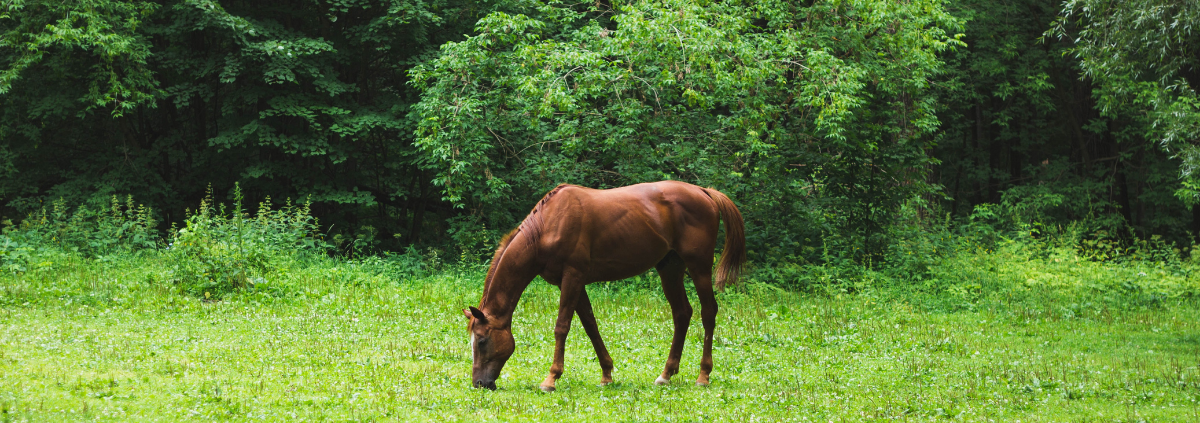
(575, 236)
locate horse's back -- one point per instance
(662, 206)
(621, 232)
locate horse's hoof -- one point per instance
(702, 384)
(605, 382)
(661, 381)
(546, 388)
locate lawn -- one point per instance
(95, 340)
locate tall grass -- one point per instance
(1001, 254)
(222, 249)
(58, 232)
(219, 250)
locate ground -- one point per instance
(116, 345)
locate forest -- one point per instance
(907, 171)
(414, 123)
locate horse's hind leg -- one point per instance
(701, 273)
(584, 309)
(671, 270)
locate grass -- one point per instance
(101, 340)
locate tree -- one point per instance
(816, 118)
(1144, 56)
(160, 99)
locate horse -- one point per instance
(576, 235)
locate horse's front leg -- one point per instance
(568, 297)
(584, 309)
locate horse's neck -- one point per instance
(516, 268)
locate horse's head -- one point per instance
(491, 345)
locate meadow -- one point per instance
(377, 339)
(954, 209)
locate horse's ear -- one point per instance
(467, 313)
(478, 314)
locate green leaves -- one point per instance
(714, 94)
(290, 98)
(118, 76)
(1144, 56)
(222, 250)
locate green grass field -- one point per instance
(107, 341)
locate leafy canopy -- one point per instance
(1144, 55)
(790, 107)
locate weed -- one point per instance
(53, 234)
(220, 250)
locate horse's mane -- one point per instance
(531, 227)
(487, 282)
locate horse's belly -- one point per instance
(623, 262)
(606, 263)
(613, 273)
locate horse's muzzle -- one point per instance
(489, 384)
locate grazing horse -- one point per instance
(575, 236)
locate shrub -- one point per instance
(1002, 253)
(1006, 252)
(221, 250)
(87, 232)
(14, 255)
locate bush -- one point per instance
(220, 250)
(1003, 253)
(87, 232)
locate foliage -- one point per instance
(1006, 253)
(797, 112)
(86, 232)
(1145, 57)
(295, 99)
(220, 251)
(117, 72)
(1019, 118)
(838, 126)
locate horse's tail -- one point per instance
(734, 254)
